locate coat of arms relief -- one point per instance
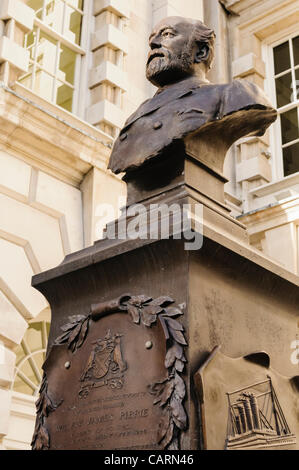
(105, 366)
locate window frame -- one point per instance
(27, 356)
(270, 88)
(80, 61)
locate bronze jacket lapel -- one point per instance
(166, 96)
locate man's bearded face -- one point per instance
(172, 54)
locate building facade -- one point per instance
(71, 72)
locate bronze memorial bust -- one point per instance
(156, 344)
(181, 53)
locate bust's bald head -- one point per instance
(180, 47)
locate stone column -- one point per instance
(107, 80)
(253, 167)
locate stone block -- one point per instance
(12, 324)
(109, 34)
(254, 168)
(119, 7)
(247, 65)
(14, 54)
(55, 195)
(45, 242)
(7, 366)
(19, 11)
(108, 72)
(16, 273)
(14, 175)
(105, 111)
(5, 401)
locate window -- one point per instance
(30, 356)
(55, 52)
(286, 84)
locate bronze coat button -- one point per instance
(123, 137)
(158, 125)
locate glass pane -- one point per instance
(34, 335)
(54, 14)
(32, 50)
(36, 5)
(30, 42)
(29, 359)
(31, 38)
(291, 159)
(282, 60)
(73, 22)
(21, 387)
(43, 85)
(28, 371)
(284, 90)
(46, 52)
(289, 126)
(39, 360)
(26, 80)
(296, 50)
(76, 3)
(297, 85)
(64, 96)
(67, 64)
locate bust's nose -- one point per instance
(155, 42)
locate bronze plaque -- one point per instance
(113, 379)
(104, 386)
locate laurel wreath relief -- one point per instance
(169, 392)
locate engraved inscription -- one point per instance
(143, 413)
(94, 427)
(106, 417)
(105, 365)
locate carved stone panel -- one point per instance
(245, 404)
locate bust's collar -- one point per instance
(188, 83)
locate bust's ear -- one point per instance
(201, 53)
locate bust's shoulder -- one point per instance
(241, 94)
(235, 88)
(243, 87)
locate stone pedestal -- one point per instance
(134, 321)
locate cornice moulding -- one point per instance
(273, 216)
(263, 19)
(271, 188)
(49, 142)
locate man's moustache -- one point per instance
(156, 53)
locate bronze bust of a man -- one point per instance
(181, 53)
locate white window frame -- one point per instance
(80, 50)
(29, 356)
(275, 130)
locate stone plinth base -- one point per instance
(132, 323)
